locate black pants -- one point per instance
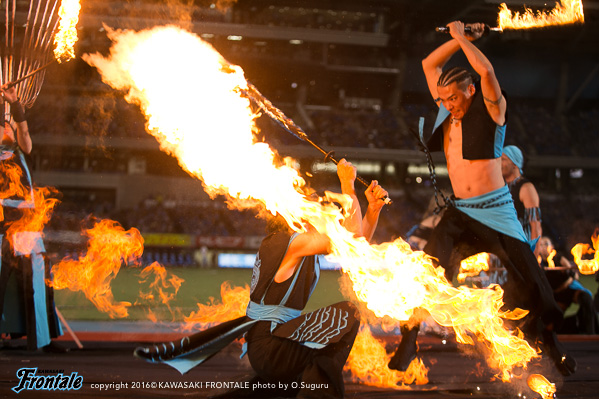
(277, 359)
(20, 268)
(527, 286)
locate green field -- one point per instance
(198, 287)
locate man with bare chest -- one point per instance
(470, 130)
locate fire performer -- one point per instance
(26, 303)
(567, 289)
(282, 344)
(470, 129)
(524, 193)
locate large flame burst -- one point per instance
(193, 105)
(568, 12)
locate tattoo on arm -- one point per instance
(494, 102)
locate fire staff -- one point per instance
(470, 129)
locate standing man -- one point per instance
(26, 302)
(524, 193)
(470, 129)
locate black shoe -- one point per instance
(407, 350)
(551, 347)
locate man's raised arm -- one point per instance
(491, 91)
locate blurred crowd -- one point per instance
(534, 128)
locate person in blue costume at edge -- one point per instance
(307, 351)
(470, 129)
(26, 302)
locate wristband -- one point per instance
(17, 111)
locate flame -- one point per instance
(194, 107)
(473, 265)
(66, 37)
(568, 12)
(109, 246)
(368, 361)
(34, 212)
(550, 262)
(587, 266)
(164, 288)
(234, 303)
(541, 385)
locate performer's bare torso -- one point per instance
(468, 178)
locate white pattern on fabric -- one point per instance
(321, 326)
(255, 273)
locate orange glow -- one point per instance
(566, 12)
(109, 246)
(163, 289)
(193, 103)
(233, 305)
(66, 37)
(541, 385)
(368, 361)
(473, 265)
(587, 266)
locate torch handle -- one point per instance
(253, 94)
(22, 78)
(467, 29)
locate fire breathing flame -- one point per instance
(473, 265)
(541, 385)
(194, 107)
(368, 361)
(109, 246)
(587, 266)
(66, 37)
(566, 12)
(163, 289)
(234, 301)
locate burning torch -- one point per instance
(253, 94)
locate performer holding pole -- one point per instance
(31, 311)
(284, 345)
(470, 129)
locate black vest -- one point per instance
(269, 258)
(482, 138)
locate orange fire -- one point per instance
(587, 266)
(568, 12)
(473, 265)
(66, 37)
(541, 385)
(234, 303)
(192, 100)
(109, 247)
(164, 288)
(368, 361)
(34, 213)
(550, 257)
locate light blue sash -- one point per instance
(496, 210)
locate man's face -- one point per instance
(507, 166)
(456, 100)
(545, 247)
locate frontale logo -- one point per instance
(29, 380)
